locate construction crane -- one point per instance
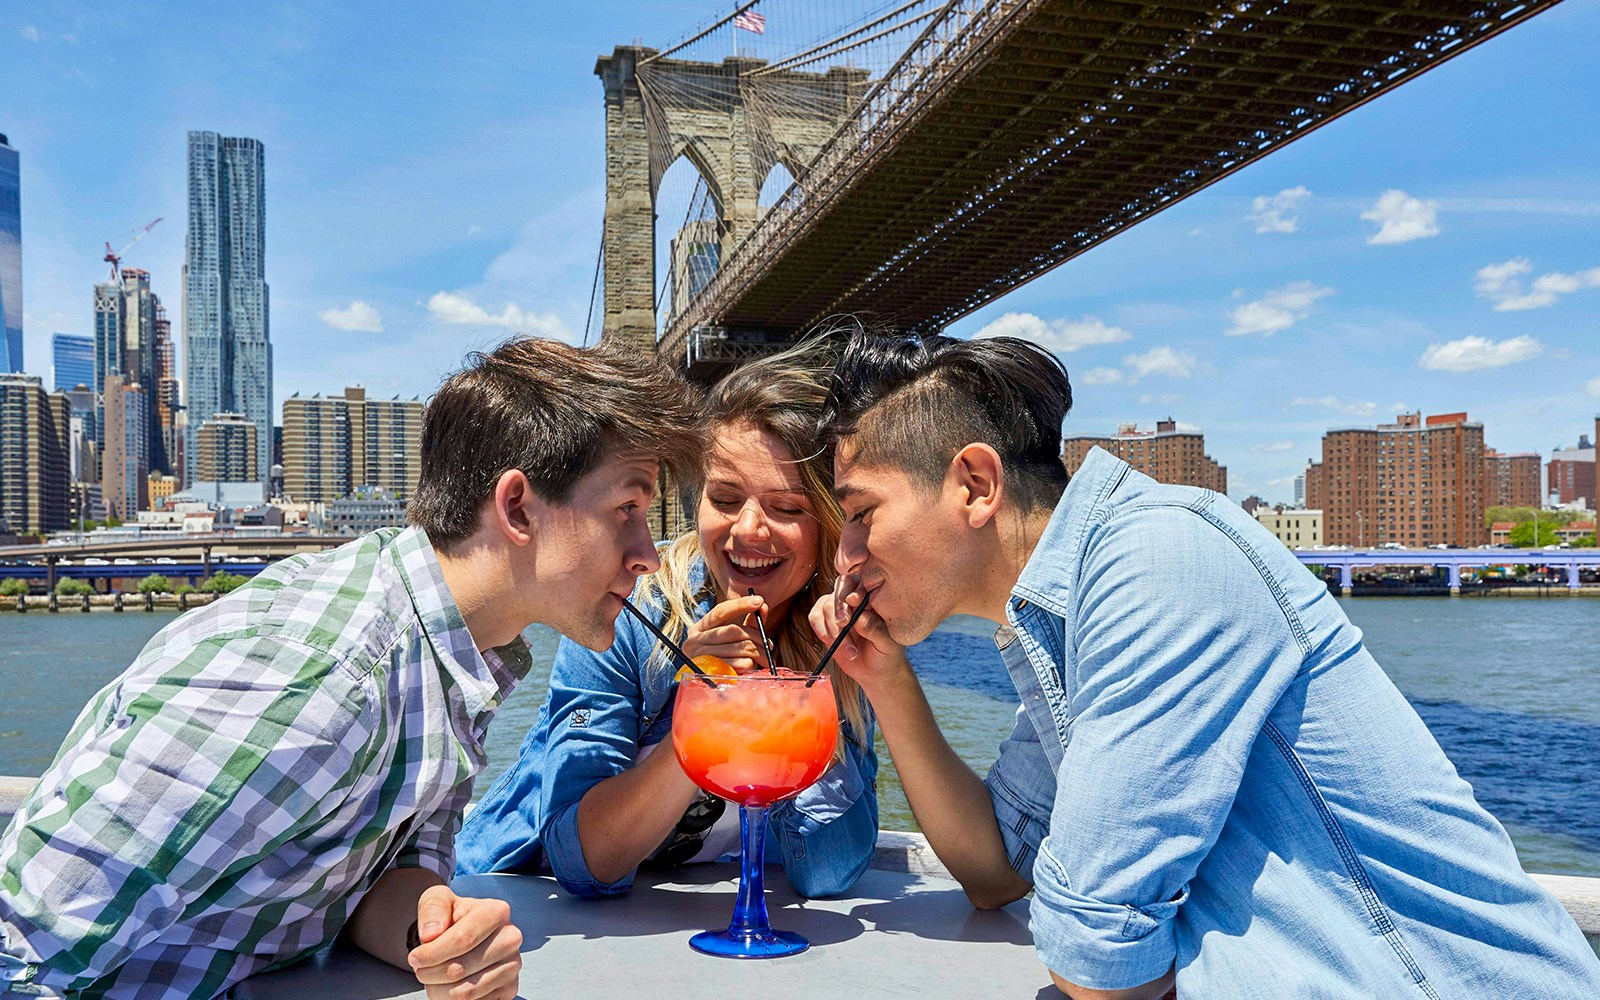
(114, 257)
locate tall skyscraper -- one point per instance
(129, 329)
(35, 456)
(335, 446)
(125, 461)
(71, 361)
(227, 355)
(10, 258)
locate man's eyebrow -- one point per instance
(639, 481)
(843, 493)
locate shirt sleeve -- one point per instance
(591, 732)
(201, 759)
(432, 844)
(1182, 650)
(828, 832)
(1022, 788)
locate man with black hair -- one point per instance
(1210, 782)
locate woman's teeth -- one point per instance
(754, 567)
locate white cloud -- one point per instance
(473, 231)
(1277, 310)
(1402, 218)
(1593, 388)
(1502, 285)
(1474, 353)
(356, 316)
(1159, 361)
(1059, 335)
(1354, 408)
(1275, 446)
(1271, 214)
(1101, 376)
(458, 310)
(1165, 397)
(30, 32)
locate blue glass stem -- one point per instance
(750, 910)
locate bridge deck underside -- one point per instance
(1075, 120)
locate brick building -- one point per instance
(1165, 454)
(1414, 482)
(1511, 480)
(1571, 472)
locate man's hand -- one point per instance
(470, 948)
(867, 654)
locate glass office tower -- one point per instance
(227, 354)
(10, 259)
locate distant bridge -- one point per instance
(1453, 560)
(201, 551)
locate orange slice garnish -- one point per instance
(714, 665)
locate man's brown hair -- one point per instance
(553, 411)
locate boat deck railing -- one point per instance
(909, 853)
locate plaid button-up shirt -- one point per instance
(222, 807)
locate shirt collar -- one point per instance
(485, 679)
(1044, 579)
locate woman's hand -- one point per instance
(728, 632)
(867, 654)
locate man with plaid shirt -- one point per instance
(293, 761)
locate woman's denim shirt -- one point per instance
(1210, 771)
(601, 710)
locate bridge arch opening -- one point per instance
(689, 226)
(777, 183)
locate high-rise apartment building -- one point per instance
(125, 456)
(1511, 480)
(10, 258)
(130, 328)
(71, 361)
(1571, 473)
(168, 399)
(227, 354)
(226, 450)
(35, 456)
(1414, 482)
(1166, 454)
(334, 446)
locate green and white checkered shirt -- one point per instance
(221, 807)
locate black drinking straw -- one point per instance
(672, 647)
(772, 663)
(866, 595)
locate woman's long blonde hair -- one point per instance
(781, 395)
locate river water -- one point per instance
(1510, 687)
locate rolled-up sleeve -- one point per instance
(1181, 651)
(591, 732)
(1022, 788)
(827, 833)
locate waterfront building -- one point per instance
(1298, 528)
(1253, 503)
(227, 352)
(226, 450)
(130, 329)
(162, 486)
(168, 401)
(71, 361)
(367, 509)
(1166, 454)
(1575, 530)
(1414, 482)
(1511, 480)
(1500, 532)
(125, 456)
(1571, 473)
(1300, 490)
(10, 258)
(35, 456)
(335, 445)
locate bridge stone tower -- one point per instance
(734, 120)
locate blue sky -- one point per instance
(435, 181)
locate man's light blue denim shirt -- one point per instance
(1209, 771)
(603, 708)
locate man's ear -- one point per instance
(979, 478)
(514, 508)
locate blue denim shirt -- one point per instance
(601, 710)
(1209, 770)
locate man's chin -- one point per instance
(594, 635)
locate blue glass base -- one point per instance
(757, 944)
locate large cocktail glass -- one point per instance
(754, 739)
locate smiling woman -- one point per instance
(589, 798)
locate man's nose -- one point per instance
(852, 551)
(641, 554)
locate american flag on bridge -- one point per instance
(749, 20)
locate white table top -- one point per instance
(896, 935)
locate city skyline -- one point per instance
(1432, 251)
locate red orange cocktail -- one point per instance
(754, 739)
